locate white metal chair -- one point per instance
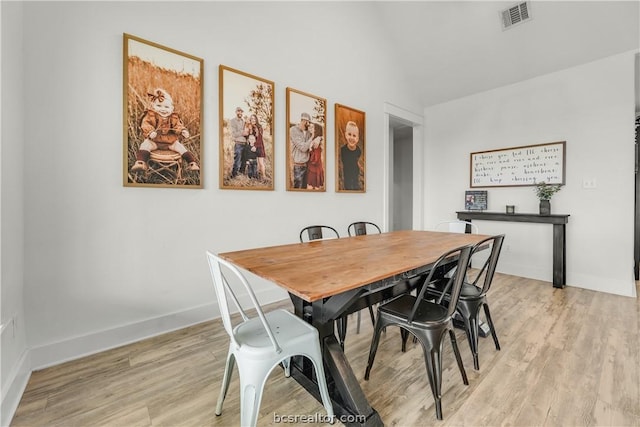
(457, 227)
(260, 343)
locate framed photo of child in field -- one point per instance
(306, 142)
(350, 150)
(162, 116)
(246, 131)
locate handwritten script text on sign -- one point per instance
(518, 166)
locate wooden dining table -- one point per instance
(329, 279)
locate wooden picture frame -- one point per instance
(162, 116)
(350, 150)
(519, 166)
(247, 116)
(306, 141)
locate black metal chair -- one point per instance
(359, 228)
(315, 232)
(474, 293)
(427, 321)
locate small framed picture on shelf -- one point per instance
(475, 200)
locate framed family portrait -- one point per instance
(246, 131)
(306, 149)
(350, 150)
(162, 96)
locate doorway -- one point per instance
(401, 146)
(403, 171)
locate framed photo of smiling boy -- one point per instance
(350, 150)
(162, 93)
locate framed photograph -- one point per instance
(350, 150)
(306, 148)
(475, 200)
(246, 131)
(162, 94)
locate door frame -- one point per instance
(416, 122)
(636, 214)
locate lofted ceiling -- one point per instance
(451, 49)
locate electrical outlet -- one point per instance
(589, 183)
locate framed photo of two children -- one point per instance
(162, 116)
(350, 150)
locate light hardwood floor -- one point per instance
(569, 357)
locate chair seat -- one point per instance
(470, 291)
(427, 312)
(252, 336)
(467, 291)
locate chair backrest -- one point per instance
(360, 228)
(489, 266)
(221, 270)
(457, 227)
(315, 232)
(461, 256)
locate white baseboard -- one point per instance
(74, 348)
(625, 288)
(17, 383)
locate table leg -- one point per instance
(349, 402)
(559, 255)
(354, 403)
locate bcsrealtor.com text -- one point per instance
(317, 418)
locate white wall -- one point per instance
(14, 368)
(88, 264)
(109, 264)
(592, 108)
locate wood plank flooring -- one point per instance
(570, 357)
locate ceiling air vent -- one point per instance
(516, 14)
